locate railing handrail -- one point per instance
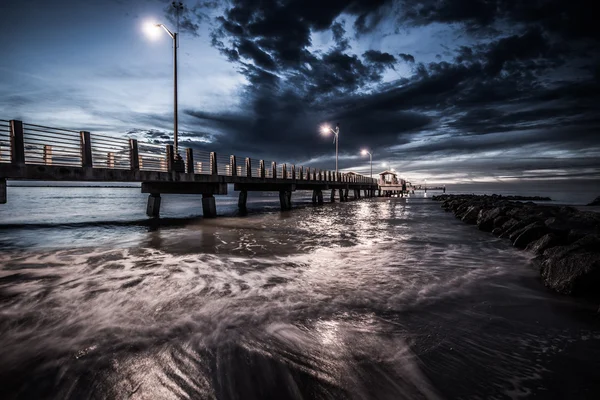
(49, 127)
(53, 145)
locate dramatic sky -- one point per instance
(448, 91)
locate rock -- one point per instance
(511, 223)
(530, 234)
(470, 217)
(497, 231)
(517, 229)
(596, 202)
(557, 225)
(575, 268)
(485, 219)
(499, 221)
(543, 243)
(574, 273)
(589, 243)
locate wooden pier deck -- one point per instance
(41, 153)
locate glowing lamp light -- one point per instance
(325, 129)
(364, 152)
(151, 29)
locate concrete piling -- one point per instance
(209, 206)
(319, 196)
(2, 191)
(242, 200)
(153, 207)
(333, 195)
(285, 200)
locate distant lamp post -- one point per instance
(325, 130)
(152, 31)
(364, 152)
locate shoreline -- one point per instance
(565, 240)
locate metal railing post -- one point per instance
(283, 171)
(274, 169)
(134, 158)
(17, 148)
(262, 169)
(189, 158)
(170, 158)
(213, 163)
(85, 144)
(248, 167)
(293, 172)
(233, 165)
(301, 173)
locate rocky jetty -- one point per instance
(565, 241)
(596, 202)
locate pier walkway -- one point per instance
(41, 153)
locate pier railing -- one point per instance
(5, 152)
(23, 144)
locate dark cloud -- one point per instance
(377, 57)
(528, 78)
(407, 57)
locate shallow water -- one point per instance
(381, 298)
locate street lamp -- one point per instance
(364, 152)
(325, 129)
(152, 33)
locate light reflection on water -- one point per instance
(380, 298)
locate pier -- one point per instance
(41, 153)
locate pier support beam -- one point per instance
(242, 200)
(209, 206)
(317, 197)
(2, 191)
(153, 207)
(345, 194)
(341, 191)
(285, 200)
(333, 195)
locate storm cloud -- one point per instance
(483, 88)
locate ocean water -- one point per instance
(382, 298)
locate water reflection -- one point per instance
(382, 298)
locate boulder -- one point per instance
(470, 217)
(558, 225)
(497, 231)
(543, 243)
(595, 202)
(589, 243)
(485, 219)
(517, 228)
(573, 273)
(530, 234)
(509, 224)
(499, 221)
(575, 268)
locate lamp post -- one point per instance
(364, 153)
(178, 6)
(325, 129)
